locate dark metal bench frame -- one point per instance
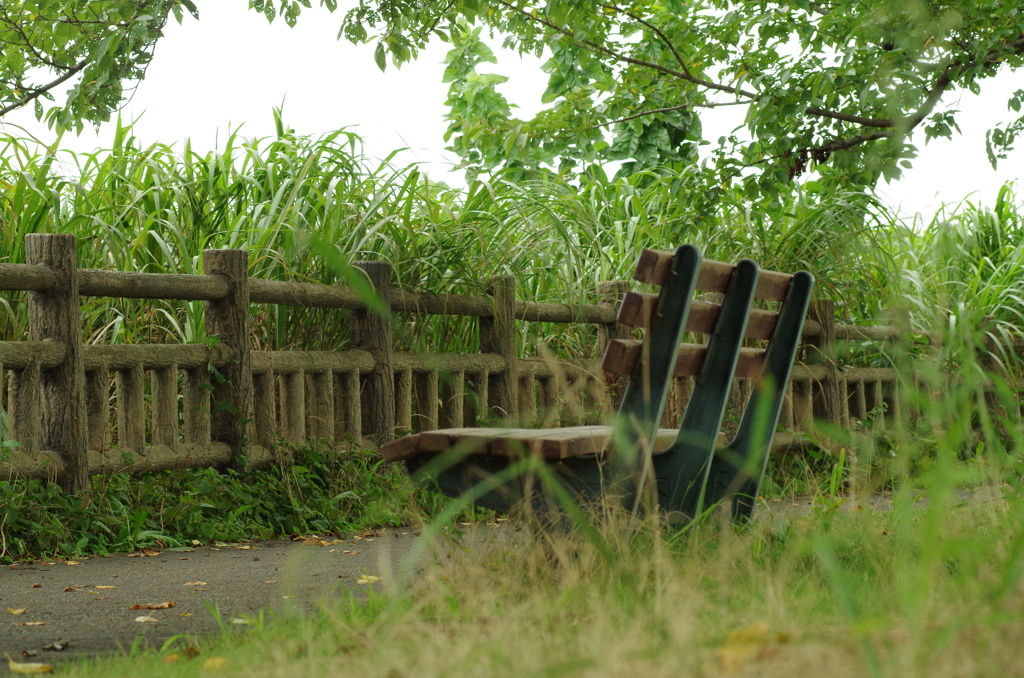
(689, 473)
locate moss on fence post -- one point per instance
(228, 320)
(371, 332)
(498, 335)
(55, 315)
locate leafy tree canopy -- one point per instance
(831, 85)
(95, 45)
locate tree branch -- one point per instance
(593, 46)
(657, 31)
(40, 91)
(845, 117)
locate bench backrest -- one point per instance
(690, 477)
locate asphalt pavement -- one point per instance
(54, 610)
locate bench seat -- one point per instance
(551, 444)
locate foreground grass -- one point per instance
(917, 591)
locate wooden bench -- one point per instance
(685, 470)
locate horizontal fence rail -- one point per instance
(75, 410)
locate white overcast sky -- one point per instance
(230, 69)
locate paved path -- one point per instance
(87, 602)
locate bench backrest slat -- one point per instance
(637, 308)
(654, 267)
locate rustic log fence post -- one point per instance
(823, 353)
(903, 360)
(228, 320)
(371, 332)
(55, 315)
(498, 335)
(610, 295)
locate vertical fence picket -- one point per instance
(549, 402)
(427, 395)
(862, 401)
(453, 389)
(528, 399)
(294, 407)
(164, 388)
(97, 407)
(348, 406)
(131, 412)
(403, 400)
(263, 409)
(321, 416)
(195, 404)
(477, 410)
(25, 401)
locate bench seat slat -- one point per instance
(654, 267)
(552, 444)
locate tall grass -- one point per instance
(286, 198)
(289, 198)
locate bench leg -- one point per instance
(737, 469)
(682, 470)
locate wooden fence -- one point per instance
(76, 410)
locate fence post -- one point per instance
(55, 316)
(609, 296)
(498, 335)
(371, 332)
(823, 312)
(228, 319)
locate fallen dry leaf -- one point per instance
(37, 586)
(351, 553)
(190, 651)
(170, 659)
(27, 667)
(215, 663)
(57, 645)
(19, 610)
(153, 606)
(243, 548)
(367, 579)
(184, 559)
(71, 588)
(146, 618)
(71, 562)
(195, 583)
(196, 542)
(184, 614)
(106, 587)
(269, 581)
(240, 621)
(35, 623)
(143, 553)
